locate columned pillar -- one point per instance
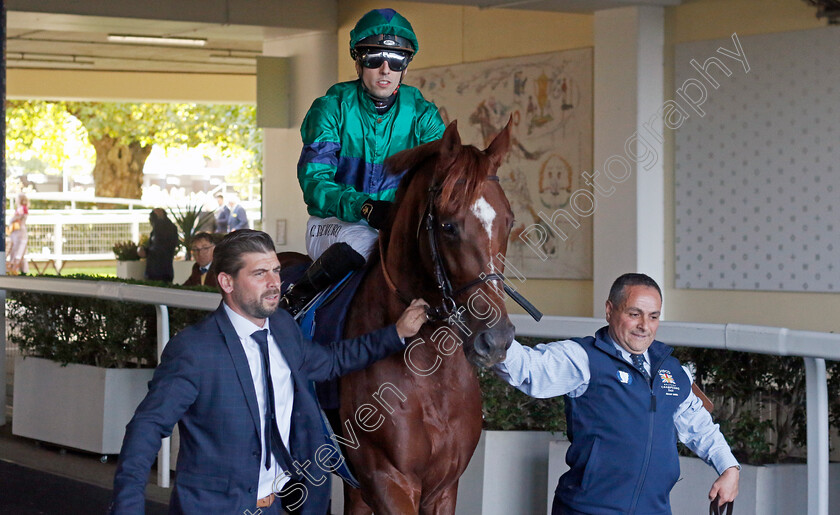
(311, 69)
(629, 220)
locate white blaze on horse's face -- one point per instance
(485, 214)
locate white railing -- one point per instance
(814, 347)
(88, 235)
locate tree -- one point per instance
(123, 134)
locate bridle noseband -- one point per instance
(448, 309)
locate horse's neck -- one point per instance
(374, 305)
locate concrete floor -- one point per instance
(78, 465)
(69, 463)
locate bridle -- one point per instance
(448, 309)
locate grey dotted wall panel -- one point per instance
(757, 171)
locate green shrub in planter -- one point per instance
(126, 251)
(760, 401)
(90, 331)
(507, 409)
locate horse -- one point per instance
(414, 419)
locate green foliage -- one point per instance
(170, 125)
(41, 129)
(759, 401)
(191, 220)
(507, 409)
(126, 251)
(37, 133)
(90, 331)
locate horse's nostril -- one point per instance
(483, 344)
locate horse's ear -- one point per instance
(450, 143)
(500, 145)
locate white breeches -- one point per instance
(323, 232)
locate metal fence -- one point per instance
(88, 235)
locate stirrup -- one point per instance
(334, 264)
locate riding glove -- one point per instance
(376, 212)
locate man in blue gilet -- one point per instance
(623, 426)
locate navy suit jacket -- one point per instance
(204, 384)
(238, 219)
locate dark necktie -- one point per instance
(271, 437)
(203, 269)
(639, 363)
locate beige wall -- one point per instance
(450, 34)
(717, 19)
(130, 86)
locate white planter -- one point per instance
(507, 475)
(183, 269)
(766, 490)
(137, 269)
(131, 269)
(77, 406)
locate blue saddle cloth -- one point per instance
(324, 323)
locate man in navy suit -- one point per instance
(212, 381)
(222, 215)
(238, 219)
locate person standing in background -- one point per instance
(238, 218)
(222, 215)
(160, 250)
(18, 237)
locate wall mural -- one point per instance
(549, 97)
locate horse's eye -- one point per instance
(449, 228)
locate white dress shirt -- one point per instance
(562, 368)
(281, 377)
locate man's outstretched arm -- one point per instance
(546, 370)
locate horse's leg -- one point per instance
(353, 502)
(392, 493)
(444, 504)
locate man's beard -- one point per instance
(257, 309)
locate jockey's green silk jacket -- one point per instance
(345, 143)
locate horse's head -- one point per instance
(448, 238)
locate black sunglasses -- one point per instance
(397, 61)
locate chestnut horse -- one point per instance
(414, 419)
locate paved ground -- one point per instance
(28, 491)
(41, 465)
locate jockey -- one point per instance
(347, 135)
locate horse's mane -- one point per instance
(459, 181)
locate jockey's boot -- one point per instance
(337, 261)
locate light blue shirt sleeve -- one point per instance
(697, 430)
(546, 370)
